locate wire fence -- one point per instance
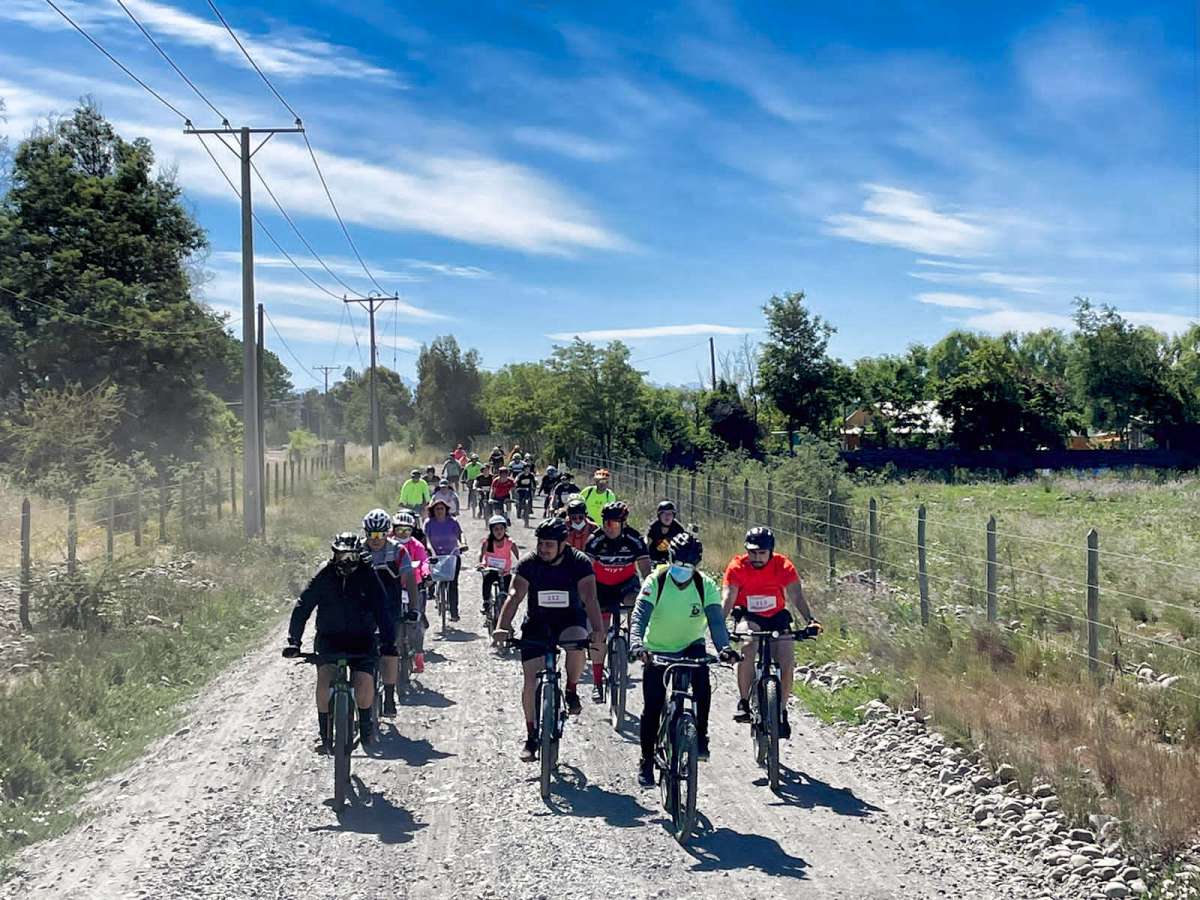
(1125, 614)
(41, 540)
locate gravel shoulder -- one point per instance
(235, 804)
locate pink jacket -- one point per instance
(419, 557)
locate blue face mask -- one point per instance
(682, 573)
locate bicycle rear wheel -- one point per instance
(618, 672)
(404, 675)
(685, 770)
(443, 595)
(548, 751)
(343, 740)
(771, 730)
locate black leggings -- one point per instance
(490, 578)
(654, 698)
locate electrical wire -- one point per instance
(129, 329)
(288, 347)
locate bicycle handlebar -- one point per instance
(320, 659)
(803, 634)
(551, 643)
(691, 662)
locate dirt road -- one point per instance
(236, 805)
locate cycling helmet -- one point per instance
(498, 520)
(551, 530)
(760, 538)
(685, 549)
(377, 520)
(616, 510)
(551, 471)
(430, 469)
(474, 457)
(345, 542)
(404, 519)
(575, 506)
(528, 457)
(443, 483)
(415, 473)
(666, 506)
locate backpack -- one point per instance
(697, 583)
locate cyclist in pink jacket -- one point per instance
(403, 524)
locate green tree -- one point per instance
(795, 372)
(892, 389)
(729, 420)
(598, 397)
(350, 408)
(88, 230)
(520, 400)
(449, 390)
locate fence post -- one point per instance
(72, 537)
(109, 525)
(220, 492)
(233, 491)
(797, 523)
(276, 493)
(203, 497)
(183, 510)
(137, 516)
(829, 537)
(991, 569)
(922, 568)
(873, 541)
(746, 502)
(725, 499)
(770, 504)
(692, 499)
(26, 567)
(1093, 600)
(162, 508)
(708, 512)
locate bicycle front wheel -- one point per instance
(770, 728)
(404, 676)
(685, 770)
(343, 741)
(618, 672)
(548, 751)
(443, 601)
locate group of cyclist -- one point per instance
(588, 566)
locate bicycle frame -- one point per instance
(343, 707)
(677, 762)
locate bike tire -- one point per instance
(443, 602)
(618, 676)
(771, 731)
(404, 673)
(548, 749)
(685, 772)
(343, 740)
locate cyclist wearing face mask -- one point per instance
(579, 527)
(677, 606)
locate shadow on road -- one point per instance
(432, 656)
(370, 812)
(806, 792)
(456, 636)
(723, 849)
(426, 697)
(396, 746)
(574, 795)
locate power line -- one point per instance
(131, 329)
(250, 59)
(669, 353)
(288, 348)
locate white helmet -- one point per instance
(377, 520)
(404, 519)
(551, 470)
(498, 520)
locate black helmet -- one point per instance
(760, 538)
(576, 506)
(686, 549)
(345, 541)
(616, 510)
(552, 529)
(666, 506)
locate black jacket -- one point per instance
(347, 606)
(657, 538)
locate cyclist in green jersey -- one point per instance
(596, 495)
(676, 607)
(416, 493)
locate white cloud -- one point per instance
(1018, 320)
(228, 287)
(284, 55)
(348, 268)
(1073, 67)
(958, 301)
(657, 331)
(945, 264)
(1020, 284)
(900, 218)
(314, 331)
(469, 272)
(567, 143)
(1171, 323)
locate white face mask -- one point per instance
(579, 526)
(682, 573)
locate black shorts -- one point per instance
(539, 630)
(338, 643)
(780, 621)
(612, 597)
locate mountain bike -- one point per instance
(483, 502)
(616, 664)
(677, 748)
(549, 703)
(765, 702)
(494, 598)
(342, 710)
(524, 504)
(407, 643)
(441, 570)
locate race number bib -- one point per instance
(760, 603)
(554, 599)
(496, 562)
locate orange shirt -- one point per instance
(579, 539)
(761, 591)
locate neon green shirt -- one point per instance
(678, 619)
(473, 469)
(595, 501)
(414, 492)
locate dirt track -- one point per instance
(235, 805)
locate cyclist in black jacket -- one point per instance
(660, 532)
(350, 610)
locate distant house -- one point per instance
(889, 424)
(1136, 437)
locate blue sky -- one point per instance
(520, 172)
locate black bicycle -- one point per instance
(407, 643)
(616, 664)
(483, 502)
(765, 702)
(342, 709)
(524, 504)
(494, 598)
(549, 703)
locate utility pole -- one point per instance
(712, 360)
(371, 302)
(325, 398)
(251, 438)
(262, 436)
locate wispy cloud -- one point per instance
(1019, 320)
(946, 264)
(958, 301)
(340, 265)
(656, 331)
(469, 272)
(308, 330)
(292, 55)
(901, 218)
(1021, 284)
(227, 287)
(567, 143)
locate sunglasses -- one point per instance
(376, 535)
(403, 532)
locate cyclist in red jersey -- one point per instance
(760, 587)
(502, 488)
(579, 527)
(620, 560)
